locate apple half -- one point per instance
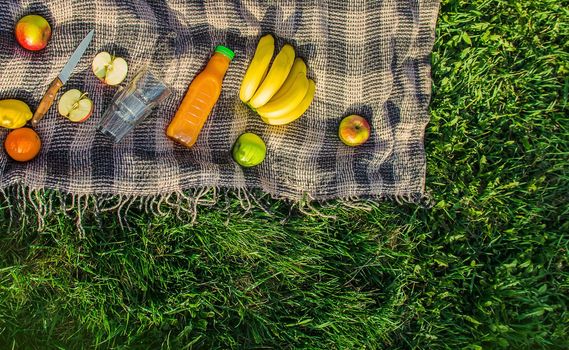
(75, 106)
(109, 69)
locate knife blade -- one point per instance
(48, 98)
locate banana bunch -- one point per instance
(280, 93)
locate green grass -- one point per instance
(486, 268)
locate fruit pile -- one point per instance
(277, 89)
(33, 33)
(279, 92)
(110, 70)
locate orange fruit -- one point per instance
(22, 144)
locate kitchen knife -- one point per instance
(61, 79)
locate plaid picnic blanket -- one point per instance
(367, 57)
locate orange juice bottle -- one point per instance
(200, 99)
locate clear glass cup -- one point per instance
(131, 105)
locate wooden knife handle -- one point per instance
(47, 100)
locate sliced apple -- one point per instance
(109, 69)
(75, 106)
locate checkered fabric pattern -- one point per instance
(367, 57)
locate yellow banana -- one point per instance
(298, 110)
(257, 68)
(278, 107)
(275, 78)
(298, 67)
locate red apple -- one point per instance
(354, 130)
(33, 32)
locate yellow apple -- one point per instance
(33, 32)
(354, 130)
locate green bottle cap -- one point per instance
(225, 51)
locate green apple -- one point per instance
(354, 130)
(75, 106)
(33, 32)
(249, 150)
(109, 69)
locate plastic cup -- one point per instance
(131, 105)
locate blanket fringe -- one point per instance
(18, 199)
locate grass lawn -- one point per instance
(485, 268)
